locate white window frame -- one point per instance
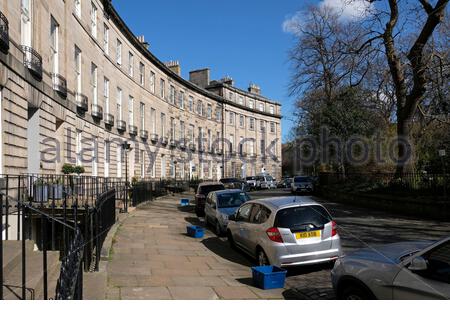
(251, 125)
(93, 20)
(142, 115)
(181, 98)
(191, 103)
(172, 94)
(26, 22)
(106, 158)
(77, 8)
(163, 124)
(106, 38)
(131, 110)
(119, 155)
(162, 84)
(231, 118)
(153, 120)
(142, 74)
(106, 94)
(119, 52)
(152, 82)
(142, 160)
(94, 83)
(272, 127)
(130, 64)
(78, 146)
(94, 157)
(119, 99)
(54, 44)
(78, 69)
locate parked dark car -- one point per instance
(285, 183)
(203, 190)
(234, 183)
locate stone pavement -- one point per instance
(153, 258)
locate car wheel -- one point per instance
(262, 258)
(231, 240)
(218, 229)
(355, 292)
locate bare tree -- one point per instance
(408, 98)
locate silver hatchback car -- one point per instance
(405, 270)
(285, 231)
(222, 204)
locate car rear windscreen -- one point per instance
(205, 190)
(231, 200)
(302, 217)
(301, 179)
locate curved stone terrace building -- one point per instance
(75, 83)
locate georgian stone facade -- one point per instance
(75, 83)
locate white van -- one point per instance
(266, 182)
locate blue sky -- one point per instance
(242, 39)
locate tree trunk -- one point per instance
(403, 146)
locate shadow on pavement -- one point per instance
(195, 221)
(296, 271)
(309, 294)
(222, 249)
(189, 208)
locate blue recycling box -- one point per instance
(184, 202)
(195, 231)
(268, 277)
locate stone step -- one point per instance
(12, 253)
(12, 277)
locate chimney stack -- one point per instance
(141, 39)
(174, 66)
(227, 80)
(255, 89)
(200, 77)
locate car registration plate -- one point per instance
(307, 234)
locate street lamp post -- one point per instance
(442, 156)
(126, 147)
(175, 168)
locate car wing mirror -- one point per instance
(418, 264)
(232, 217)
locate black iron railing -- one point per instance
(121, 125)
(154, 137)
(109, 119)
(97, 111)
(33, 61)
(4, 33)
(143, 134)
(82, 102)
(133, 130)
(66, 215)
(59, 84)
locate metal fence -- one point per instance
(69, 215)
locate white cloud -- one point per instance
(348, 10)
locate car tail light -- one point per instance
(333, 228)
(274, 235)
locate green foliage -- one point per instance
(67, 168)
(78, 170)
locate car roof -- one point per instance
(219, 192)
(204, 184)
(277, 203)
